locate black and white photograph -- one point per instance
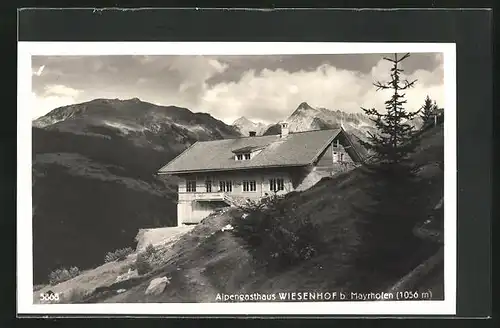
(252, 178)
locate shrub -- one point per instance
(118, 255)
(59, 275)
(142, 263)
(257, 206)
(150, 250)
(275, 235)
(74, 271)
(148, 259)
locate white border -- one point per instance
(24, 219)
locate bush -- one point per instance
(118, 255)
(74, 271)
(275, 235)
(150, 250)
(148, 259)
(142, 263)
(257, 206)
(59, 275)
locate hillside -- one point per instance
(148, 125)
(333, 219)
(94, 170)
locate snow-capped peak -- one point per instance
(304, 106)
(242, 121)
(245, 125)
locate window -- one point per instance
(341, 157)
(208, 185)
(226, 186)
(191, 186)
(249, 185)
(244, 156)
(335, 157)
(276, 184)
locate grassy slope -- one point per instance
(77, 221)
(106, 274)
(206, 261)
(90, 197)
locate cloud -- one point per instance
(262, 88)
(61, 90)
(43, 105)
(54, 96)
(195, 71)
(273, 94)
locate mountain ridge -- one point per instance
(245, 126)
(95, 186)
(306, 117)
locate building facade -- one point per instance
(221, 173)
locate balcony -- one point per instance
(335, 148)
(201, 196)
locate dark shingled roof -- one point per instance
(295, 149)
(247, 149)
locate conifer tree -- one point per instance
(428, 111)
(396, 138)
(387, 221)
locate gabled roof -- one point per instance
(295, 149)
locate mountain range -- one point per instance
(94, 167)
(305, 118)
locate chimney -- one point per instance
(284, 129)
(252, 133)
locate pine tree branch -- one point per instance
(404, 57)
(389, 59)
(407, 84)
(381, 85)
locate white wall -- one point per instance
(194, 212)
(237, 178)
(184, 210)
(189, 212)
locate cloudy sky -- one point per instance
(261, 88)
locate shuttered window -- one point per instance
(249, 185)
(208, 185)
(226, 186)
(276, 184)
(191, 186)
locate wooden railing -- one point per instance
(235, 200)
